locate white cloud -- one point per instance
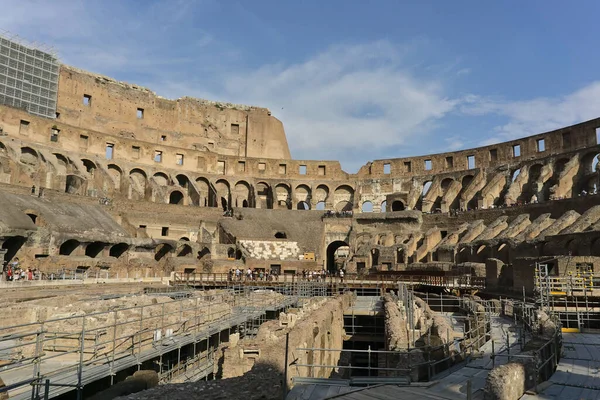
(529, 117)
(347, 99)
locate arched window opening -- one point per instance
(367, 207)
(321, 206)
(281, 235)
(384, 206)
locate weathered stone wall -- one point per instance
(317, 325)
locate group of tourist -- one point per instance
(14, 272)
(252, 275)
(337, 214)
(236, 274)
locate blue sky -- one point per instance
(351, 80)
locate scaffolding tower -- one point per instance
(28, 76)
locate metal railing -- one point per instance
(78, 349)
(545, 356)
(419, 363)
(349, 280)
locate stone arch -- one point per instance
(184, 251)
(183, 180)
(89, 165)
(115, 172)
(303, 205)
(503, 252)
(176, 197)
(93, 249)
(469, 203)
(29, 156)
(205, 193)
(12, 245)
(264, 195)
(241, 194)
(321, 193)
(482, 253)
(138, 179)
(231, 253)
(343, 198)
(283, 196)
(161, 179)
(63, 164)
(333, 262)
(398, 205)
(589, 162)
(320, 206)
(223, 191)
(530, 187)
(444, 186)
(74, 184)
(118, 250)
(68, 247)
(367, 206)
(203, 253)
(383, 206)
(162, 250)
(303, 193)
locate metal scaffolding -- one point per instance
(28, 76)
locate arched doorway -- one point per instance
(337, 253)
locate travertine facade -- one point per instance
(123, 181)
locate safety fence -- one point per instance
(418, 362)
(539, 343)
(544, 347)
(348, 280)
(70, 351)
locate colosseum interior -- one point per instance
(135, 219)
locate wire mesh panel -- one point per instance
(28, 78)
